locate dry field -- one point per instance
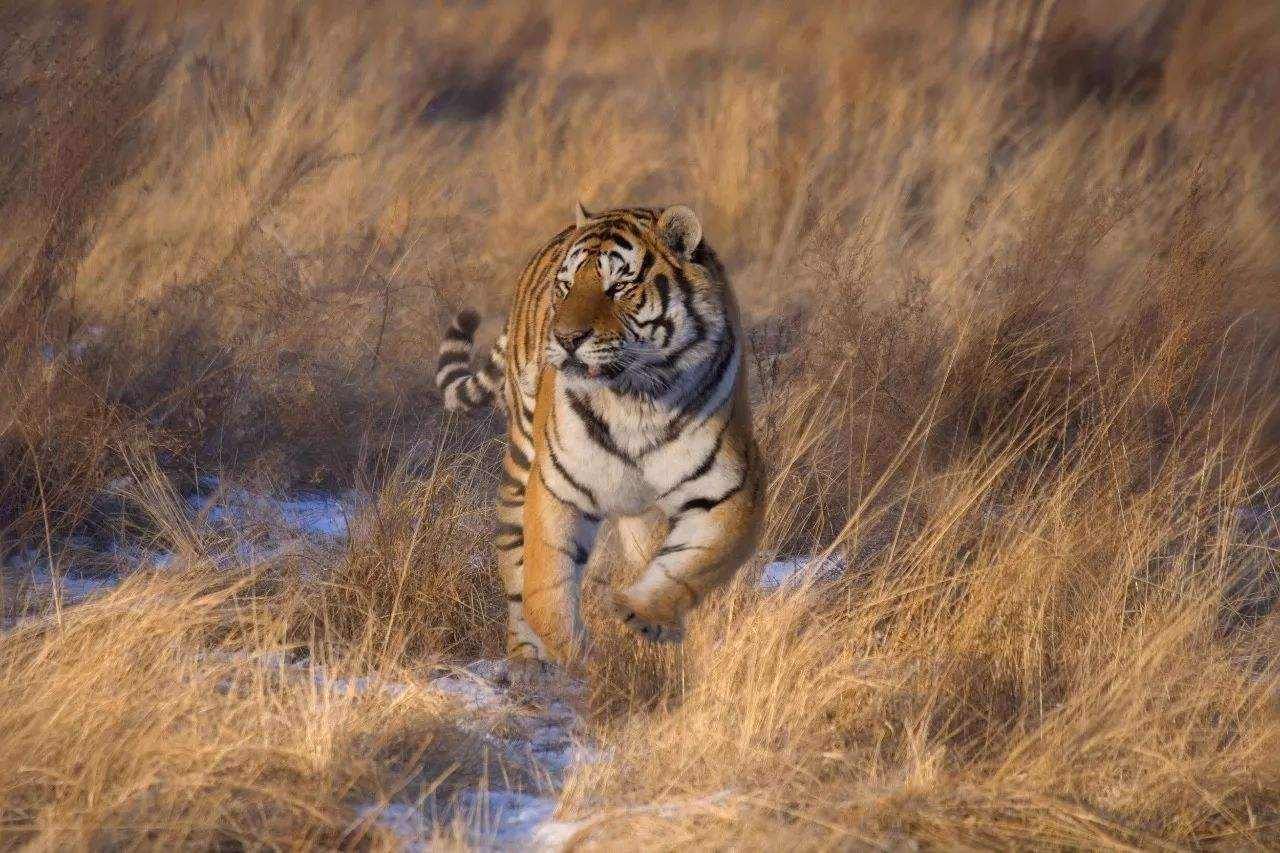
(1012, 273)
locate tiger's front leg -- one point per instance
(558, 538)
(708, 540)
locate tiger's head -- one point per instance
(637, 299)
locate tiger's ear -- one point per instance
(580, 214)
(680, 230)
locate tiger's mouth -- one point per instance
(578, 367)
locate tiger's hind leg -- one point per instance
(523, 643)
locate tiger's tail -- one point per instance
(464, 388)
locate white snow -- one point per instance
(496, 820)
(539, 730)
(32, 565)
(406, 821)
(321, 516)
(308, 515)
(358, 684)
(793, 571)
(76, 589)
(471, 691)
(538, 734)
(554, 835)
(505, 819)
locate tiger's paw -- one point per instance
(656, 624)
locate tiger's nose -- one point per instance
(573, 339)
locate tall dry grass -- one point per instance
(1012, 275)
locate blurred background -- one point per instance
(240, 227)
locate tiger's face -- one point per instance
(625, 311)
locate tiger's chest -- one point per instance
(628, 456)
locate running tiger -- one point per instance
(623, 373)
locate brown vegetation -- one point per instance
(1013, 277)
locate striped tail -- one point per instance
(465, 389)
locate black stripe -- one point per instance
(661, 319)
(515, 533)
(669, 328)
(518, 456)
(453, 333)
(451, 375)
(645, 265)
(516, 542)
(636, 278)
(448, 358)
(712, 377)
(662, 284)
(524, 430)
(511, 482)
(560, 469)
(699, 324)
(681, 420)
(704, 466)
(709, 504)
(467, 392)
(676, 549)
(597, 429)
(517, 597)
(579, 556)
(543, 477)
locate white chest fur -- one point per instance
(626, 452)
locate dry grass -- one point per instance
(1013, 273)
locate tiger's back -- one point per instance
(623, 372)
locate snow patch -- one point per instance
(76, 589)
(555, 835)
(793, 571)
(34, 566)
(405, 821)
(496, 820)
(539, 733)
(359, 685)
(505, 820)
(315, 515)
(471, 691)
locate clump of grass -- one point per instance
(168, 715)
(413, 581)
(1042, 663)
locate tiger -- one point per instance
(622, 367)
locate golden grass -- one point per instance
(1013, 276)
(161, 716)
